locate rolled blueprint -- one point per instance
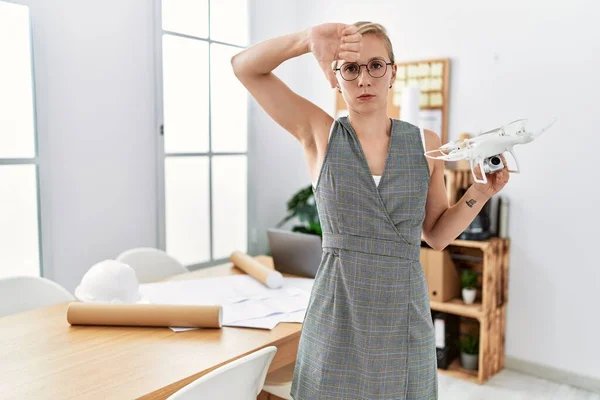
(267, 276)
(184, 316)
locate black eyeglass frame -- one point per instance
(367, 68)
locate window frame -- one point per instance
(161, 156)
(43, 246)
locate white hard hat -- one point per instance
(109, 281)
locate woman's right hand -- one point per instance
(334, 41)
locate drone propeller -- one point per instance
(515, 128)
(510, 129)
(456, 155)
(539, 133)
(490, 132)
(456, 144)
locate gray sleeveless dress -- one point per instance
(368, 331)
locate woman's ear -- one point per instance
(393, 79)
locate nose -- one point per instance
(363, 76)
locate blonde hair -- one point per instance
(373, 28)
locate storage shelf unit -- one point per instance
(489, 310)
(491, 259)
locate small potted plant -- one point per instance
(468, 282)
(302, 206)
(469, 352)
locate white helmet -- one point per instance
(109, 281)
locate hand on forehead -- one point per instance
(369, 47)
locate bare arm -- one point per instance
(254, 66)
(442, 223)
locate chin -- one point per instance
(369, 107)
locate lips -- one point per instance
(366, 96)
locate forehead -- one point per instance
(372, 46)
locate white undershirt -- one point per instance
(377, 178)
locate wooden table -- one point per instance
(43, 357)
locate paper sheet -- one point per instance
(297, 317)
(219, 290)
(268, 322)
(246, 302)
(302, 283)
(271, 321)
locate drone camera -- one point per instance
(492, 164)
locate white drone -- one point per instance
(484, 150)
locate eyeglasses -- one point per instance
(376, 68)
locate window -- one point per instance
(20, 213)
(203, 130)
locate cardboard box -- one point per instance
(441, 273)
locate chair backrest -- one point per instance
(241, 379)
(151, 265)
(22, 293)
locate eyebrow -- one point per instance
(370, 59)
(338, 65)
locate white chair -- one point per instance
(23, 293)
(279, 382)
(150, 264)
(241, 379)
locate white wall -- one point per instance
(95, 118)
(510, 60)
(276, 160)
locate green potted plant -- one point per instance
(468, 280)
(302, 206)
(469, 352)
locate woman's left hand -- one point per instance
(495, 181)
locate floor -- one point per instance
(506, 385)
(510, 385)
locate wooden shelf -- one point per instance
(458, 307)
(455, 370)
(490, 308)
(477, 244)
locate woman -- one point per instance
(368, 331)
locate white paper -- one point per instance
(272, 294)
(245, 301)
(410, 104)
(268, 322)
(440, 333)
(245, 310)
(432, 120)
(297, 317)
(305, 284)
(271, 321)
(287, 304)
(177, 329)
(252, 309)
(218, 290)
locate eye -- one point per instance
(375, 64)
(350, 68)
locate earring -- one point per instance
(339, 90)
(390, 85)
